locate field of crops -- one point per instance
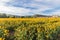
(30, 28)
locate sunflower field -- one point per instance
(30, 28)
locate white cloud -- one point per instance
(12, 10)
(23, 11)
(56, 13)
(38, 0)
(3, 2)
(52, 4)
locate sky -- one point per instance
(30, 7)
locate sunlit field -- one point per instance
(42, 28)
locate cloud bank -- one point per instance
(30, 7)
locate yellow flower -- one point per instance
(0, 26)
(2, 38)
(5, 31)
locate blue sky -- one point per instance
(30, 7)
